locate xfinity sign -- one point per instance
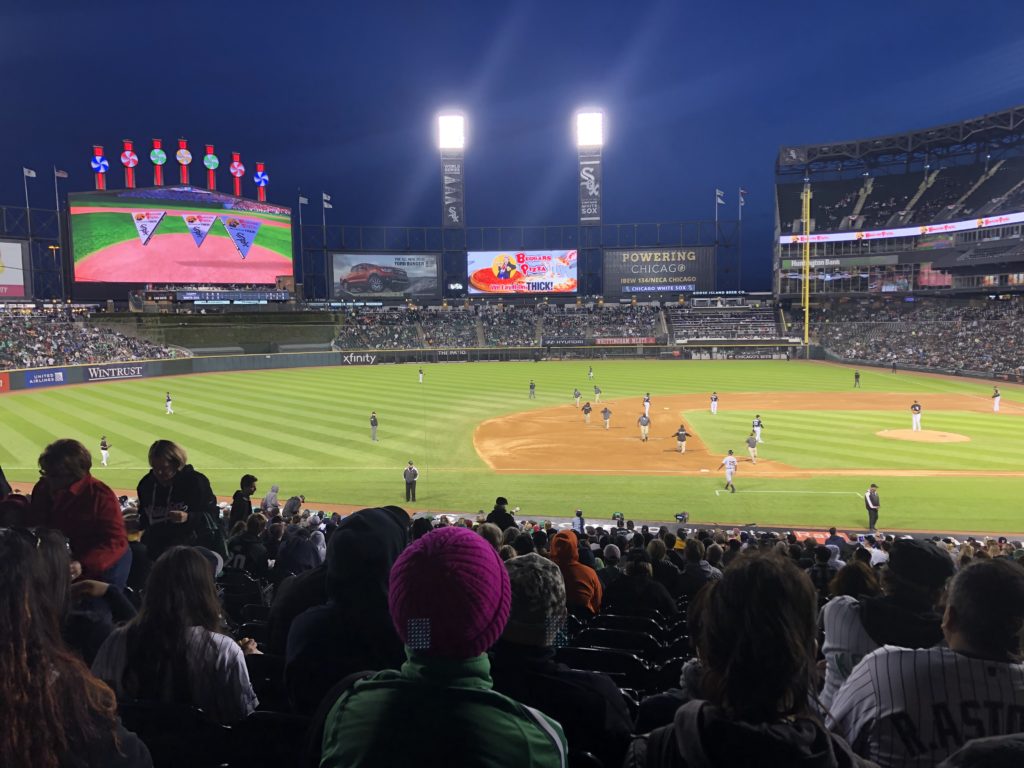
(105, 372)
(354, 358)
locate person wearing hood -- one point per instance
(353, 631)
(907, 615)
(449, 597)
(698, 571)
(588, 705)
(583, 592)
(177, 506)
(269, 505)
(758, 687)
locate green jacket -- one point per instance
(438, 712)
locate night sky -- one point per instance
(341, 97)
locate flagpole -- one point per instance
(739, 240)
(300, 231)
(56, 200)
(28, 208)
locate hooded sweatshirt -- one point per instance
(582, 587)
(702, 736)
(354, 631)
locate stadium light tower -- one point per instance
(451, 140)
(589, 142)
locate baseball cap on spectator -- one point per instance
(920, 562)
(501, 501)
(449, 594)
(538, 609)
(214, 558)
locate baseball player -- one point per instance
(586, 412)
(752, 447)
(856, 379)
(996, 397)
(714, 403)
(597, 394)
(104, 450)
(373, 427)
(576, 395)
(729, 462)
(872, 504)
(757, 425)
(644, 422)
(167, 404)
(680, 435)
(915, 707)
(915, 417)
(421, 375)
(607, 416)
(590, 372)
(533, 389)
(647, 404)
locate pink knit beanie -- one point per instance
(449, 594)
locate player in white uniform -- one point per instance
(906, 708)
(915, 417)
(757, 424)
(996, 397)
(714, 403)
(590, 372)
(104, 450)
(729, 462)
(647, 404)
(167, 404)
(421, 375)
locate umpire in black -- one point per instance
(871, 503)
(411, 475)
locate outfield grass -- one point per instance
(307, 430)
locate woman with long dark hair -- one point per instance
(55, 714)
(757, 644)
(173, 650)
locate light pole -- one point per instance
(589, 143)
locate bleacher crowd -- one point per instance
(165, 631)
(40, 340)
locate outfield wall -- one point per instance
(64, 375)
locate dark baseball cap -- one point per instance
(501, 501)
(920, 562)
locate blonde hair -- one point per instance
(169, 451)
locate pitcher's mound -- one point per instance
(924, 436)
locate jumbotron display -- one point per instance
(523, 272)
(12, 271)
(178, 235)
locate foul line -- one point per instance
(819, 493)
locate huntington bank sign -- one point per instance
(658, 271)
(111, 372)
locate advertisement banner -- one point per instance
(46, 377)
(110, 372)
(358, 358)
(590, 186)
(453, 191)
(12, 271)
(919, 231)
(658, 271)
(626, 340)
(578, 341)
(5, 383)
(385, 275)
(524, 272)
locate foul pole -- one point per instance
(805, 197)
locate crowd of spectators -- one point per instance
(301, 637)
(937, 334)
(380, 329)
(759, 323)
(610, 321)
(41, 340)
(509, 326)
(449, 328)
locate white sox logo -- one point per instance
(588, 182)
(453, 214)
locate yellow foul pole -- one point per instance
(805, 196)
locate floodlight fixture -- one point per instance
(451, 131)
(589, 128)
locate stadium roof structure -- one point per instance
(996, 134)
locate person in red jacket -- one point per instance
(582, 587)
(68, 498)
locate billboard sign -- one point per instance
(12, 271)
(658, 271)
(358, 358)
(624, 340)
(178, 234)
(5, 382)
(590, 186)
(109, 372)
(945, 228)
(522, 272)
(46, 377)
(385, 275)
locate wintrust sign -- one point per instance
(353, 358)
(105, 372)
